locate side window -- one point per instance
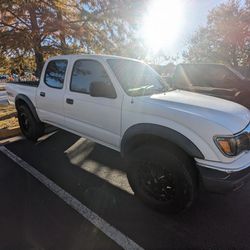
(84, 73)
(55, 73)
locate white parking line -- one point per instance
(121, 239)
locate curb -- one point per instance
(6, 133)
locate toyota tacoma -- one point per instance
(174, 142)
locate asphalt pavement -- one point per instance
(95, 175)
(32, 217)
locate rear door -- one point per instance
(50, 92)
(98, 118)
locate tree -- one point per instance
(225, 38)
(33, 27)
(17, 65)
(43, 28)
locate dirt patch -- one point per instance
(8, 121)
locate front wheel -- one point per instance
(162, 177)
(30, 128)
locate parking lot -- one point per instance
(33, 217)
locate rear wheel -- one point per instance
(162, 177)
(30, 128)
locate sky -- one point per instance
(193, 15)
(197, 11)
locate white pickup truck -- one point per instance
(174, 142)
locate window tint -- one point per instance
(55, 73)
(85, 72)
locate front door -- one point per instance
(98, 118)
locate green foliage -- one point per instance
(225, 38)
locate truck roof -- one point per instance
(92, 56)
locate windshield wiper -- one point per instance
(143, 90)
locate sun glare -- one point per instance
(162, 23)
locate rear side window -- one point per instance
(84, 73)
(55, 73)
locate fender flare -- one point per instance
(28, 102)
(145, 129)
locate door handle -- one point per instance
(42, 94)
(69, 101)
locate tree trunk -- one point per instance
(36, 41)
(64, 47)
(39, 63)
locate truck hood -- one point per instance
(230, 115)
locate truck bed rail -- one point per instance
(26, 83)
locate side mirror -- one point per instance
(102, 89)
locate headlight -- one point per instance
(232, 146)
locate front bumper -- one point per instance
(222, 177)
(218, 181)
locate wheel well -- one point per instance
(20, 102)
(24, 100)
(141, 139)
(143, 132)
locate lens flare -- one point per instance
(162, 24)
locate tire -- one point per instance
(163, 177)
(30, 128)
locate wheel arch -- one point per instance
(140, 133)
(23, 99)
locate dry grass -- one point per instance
(8, 117)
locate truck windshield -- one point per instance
(237, 73)
(136, 78)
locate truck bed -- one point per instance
(18, 88)
(26, 83)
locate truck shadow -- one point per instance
(96, 176)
